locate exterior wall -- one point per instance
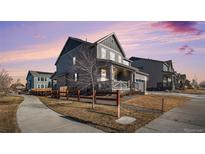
(153, 68)
(40, 83)
(108, 50)
(65, 62)
(66, 67)
(61, 81)
(111, 43)
(30, 82)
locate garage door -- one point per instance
(139, 85)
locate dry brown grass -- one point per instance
(102, 116)
(192, 91)
(155, 101)
(8, 108)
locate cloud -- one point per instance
(187, 50)
(180, 26)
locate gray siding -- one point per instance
(100, 47)
(153, 68)
(111, 43)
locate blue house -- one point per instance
(37, 79)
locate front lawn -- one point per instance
(104, 116)
(8, 108)
(191, 91)
(155, 101)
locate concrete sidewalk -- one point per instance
(34, 117)
(185, 119)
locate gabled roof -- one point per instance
(77, 42)
(169, 62)
(68, 46)
(114, 35)
(38, 73)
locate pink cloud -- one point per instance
(187, 50)
(179, 26)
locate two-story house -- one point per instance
(118, 74)
(161, 73)
(37, 79)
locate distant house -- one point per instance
(37, 79)
(17, 87)
(180, 82)
(161, 73)
(118, 73)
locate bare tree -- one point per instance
(83, 74)
(5, 81)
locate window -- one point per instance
(39, 78)
(112, 56)
(165, 68)
(119, 59)
(45, 79)
(42, 78)
(103, 75)
(125, 62)
(38, 86)
(46, 86)
(103, 53)
(76, 77)
(74, 60)
(42, 86)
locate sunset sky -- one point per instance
(36, 45)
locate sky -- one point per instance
(36, 45)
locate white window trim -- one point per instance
(103, 53)
(119, 58)
(74, 60)
(113, 54)
(125, 62)
(76, 77)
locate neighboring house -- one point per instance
(161, 73)
(37, 79)
(17, 87)
(180, 81)
(118, 74)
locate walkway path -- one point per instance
(187, 118)
(34, 117)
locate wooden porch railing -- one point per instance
(120, 85)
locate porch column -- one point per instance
(173, 82)
(132, 79)
(111, 73)
(111, 76)
(145, 86)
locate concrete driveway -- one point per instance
(34, 117)
(185, 119)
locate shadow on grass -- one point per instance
(103, 113)
(90, 123)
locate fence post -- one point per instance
(78, 95)
(118, 103)
(162, 108)
(58, 94)
(67, 92)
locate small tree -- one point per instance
(86, 67)
(5, 81)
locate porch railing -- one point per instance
(120, 85)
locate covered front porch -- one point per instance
(115, 78)
(168, 81)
